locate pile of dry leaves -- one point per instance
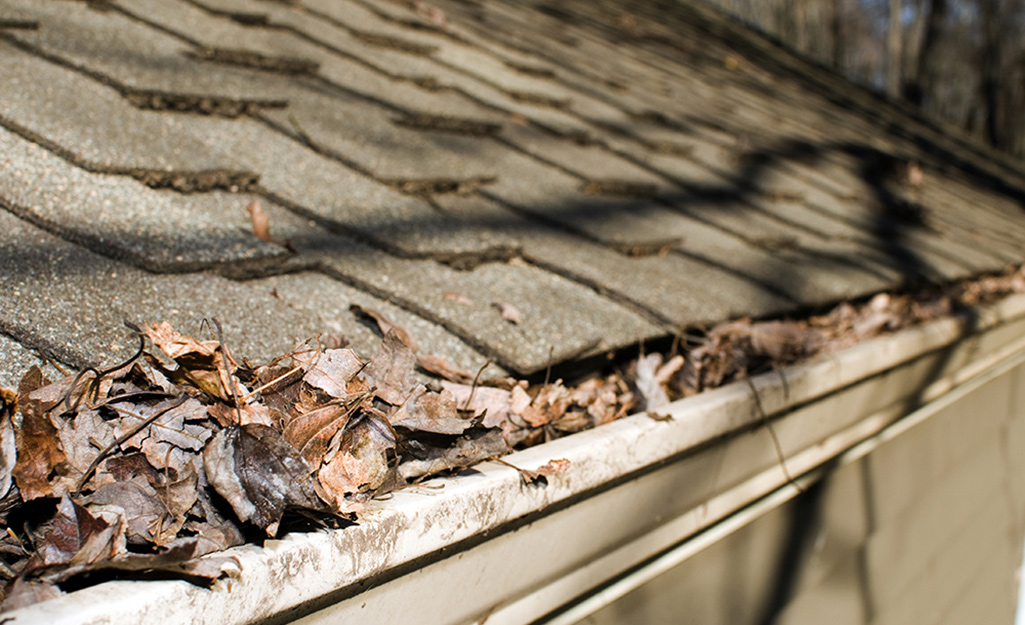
(182, 451)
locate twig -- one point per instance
(127, 435)
(775, 439)
(548, 367)
(94, 386)
(227, 368)
(476, 380)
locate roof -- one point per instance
(612, 171)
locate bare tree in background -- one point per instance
(958, 60)
(895, 49)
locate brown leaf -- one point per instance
(549, 468)
(371, 445)
(261, 222)
(430, 412)
(491, 403)
(25, 592)
(459, 297)
(181, 558)
(332, 372)
(312, 432)
(137, 502)
(170, 440)
(199, 362)
(39, 452)
(385, 325)
(259, 474)
(475, 446)
(343, 475)
(83, 437)
(444, 369)
(392, 370)
(78, 537)
(509, 312)
(549, 404)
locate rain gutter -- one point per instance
(483, 545)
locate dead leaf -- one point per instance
(25, 592)
(385, 325)
(39, 452)
(475, 446)
(550, 403)
(489, 403)
(78, 537)
(509, 312)
(332, 372)
(343, 475)
(259, 474)
(652, 394)
(261, 222)
(430, 412)
(444, 369)
(137, 502)
(180, 558)
(392, 370)
(551, 467)
(370, 445)
(312, 432)
(200, 362)
(459, 297)
(172, 438)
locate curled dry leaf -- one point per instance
(385, 325)
(509, 312)
(199, 362)
(259, 474)
(459, 297)
(490, 404)
(648, 386)
(261, 222)
(551, 402)
(549, 468)
(444, 369)
(475, 446)
(135, 501)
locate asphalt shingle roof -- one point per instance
(615, 171)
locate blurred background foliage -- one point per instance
(961, 61)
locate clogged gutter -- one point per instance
(182, 451)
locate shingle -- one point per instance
(71, 303)
(64, 107)
(560, 320)
(16, 360)
(159, 230)
(141, 58)
(331, 300)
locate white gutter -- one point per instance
(486, 546)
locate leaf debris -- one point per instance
(159, 462)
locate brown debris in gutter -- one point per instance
(149, 464)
